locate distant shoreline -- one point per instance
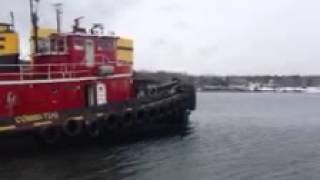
(298, 90)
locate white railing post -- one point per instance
(21, 71)
(64, 71)
(49, 71)
(73, 69)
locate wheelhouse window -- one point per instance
(61, 45)
(105, 44)
(52, 45)
(78, 44)
(44, 45)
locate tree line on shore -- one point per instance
(234, 80)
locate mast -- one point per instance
(58, 8)
(34, 22)
(12, 20)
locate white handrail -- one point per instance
(51, 64)
(53, 70)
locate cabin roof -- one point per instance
(84, 35)
(4, 24)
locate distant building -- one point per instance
(237, 80)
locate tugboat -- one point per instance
(79, 83)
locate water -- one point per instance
(230, 136)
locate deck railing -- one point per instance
(45, 71)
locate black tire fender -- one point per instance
(127, 119)
(72, 128)
(112, 122)
(48, 135)
(93, 128)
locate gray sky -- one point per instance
(199, 37)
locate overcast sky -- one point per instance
(199, 36)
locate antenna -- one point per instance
(34, 21)
(58, 8)
(12, 20)
(76, 26)
(97, 26)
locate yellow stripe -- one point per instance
(125, 55)
(10, 44)
(3, 28)
(42, 34)
(7, 128)
(124, 42)
(124, 50)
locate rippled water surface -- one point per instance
(230, 136)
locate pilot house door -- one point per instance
(89, 52)
(96, 94)
(91, 95)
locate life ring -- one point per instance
(48, 135)
(72, 128)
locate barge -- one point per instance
(81, 83)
